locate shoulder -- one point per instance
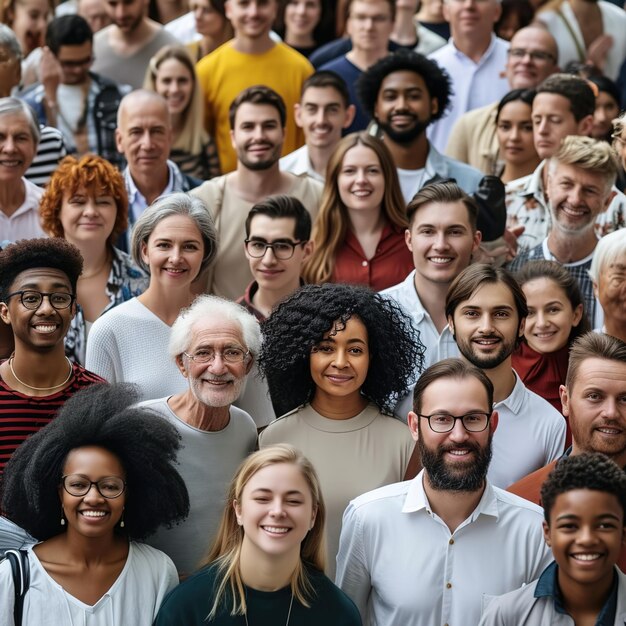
(196, 590)
(387, 498)
(85, 377)
(242, 418)
(151, 558)
(284, 423)
(288, 54)
(510, 607)
(517, 505)
(210, 190)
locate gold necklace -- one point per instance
(21, 382)
(288, 613)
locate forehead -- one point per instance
(490, 295)
(89, 459)
(279, 477)
(403, 79)
(534, 39)
(78, 51)
(40, 277)
(454, 395)
(322, 96)
(271, 228)
(368, 7)
(257, 113)
(360, 154)
(144, 112)
(173, 66)
(543, 289)
(604, 374)
(578, 174)
(215, 330)
(354, 328)
(587, 503)
(30, 5)
(442, 214)
(14, 123)
(549, 103)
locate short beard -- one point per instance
(259, 166)
(404, 136)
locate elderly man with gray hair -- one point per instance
(214, 343)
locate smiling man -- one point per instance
(214, 344)
(424, 552)
(486, 310)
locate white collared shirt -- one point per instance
(24, 222)
(298, 162)
(402, 566)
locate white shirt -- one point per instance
(184, 28)
(298, 162)
(401, 565)
(475, 84)
(530, 434)
(24, 222)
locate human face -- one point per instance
(404, 106)
(361, 182)
(551, 316)
(75, 62)
(175, 83)
(322, 114)
(276, 511)
(209, 22)
(251, 19)
(17, 147)
(339, 362)
(127, 15)
(486, 326)
(611, 291)
(553, 120)
(30, 20)
(10, 72)
(442, 241)
(92, 515)
(605, 112)
(144, 136)
(576, 197)
(522, 70)
(471, 17)
(174, 252)
(217, 383)
(258, 136)
(515, 133)
(94, 11)
(272, 274)
(43, 329)
(369, 25)
(457, 460)
(87, 217)
(596, 407)
(619, 144)
(301, 17)
(586, 534)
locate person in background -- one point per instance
(619, 146)
(171, 74)
(516, 14)
(166, 11)
(430, 15)
(305, 25)
(94, 11)
(211, 24)
(86, 204)
(359, 231)
(608, 107)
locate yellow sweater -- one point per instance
(225, 72)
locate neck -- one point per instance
(178, 122)
(79, 549)
(12, 196)
(169, 11)
(582, 599)
(513, 171)
(142, 33)
(299, 41)
(503, 379)
(584, 7)
(368, 222)
(37, 369)
(409, 156)
(619, 459)
(433, 297)
(166, 304)
(364, 59)
(265, 300)
(94, 258)
(151, 184)
(319, 157)
(258, 45)
(404, 32)
(266, 572)
(208, 44)
(335, 408)
(571, 247)
(471, 45)
(615, 329)
(453, 507)
(254, 184)
(197, 414)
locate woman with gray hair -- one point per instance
(174, 241)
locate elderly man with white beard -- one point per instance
(214, 343)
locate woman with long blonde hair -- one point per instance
(268, 558)
(359, 230)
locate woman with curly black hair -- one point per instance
(337, 358)
(96, 479)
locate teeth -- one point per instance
(93, 513)
(361, 193)
(486, 342)
(45, 328)
(172, 269)
(610, 431)
(275, 529)
(586, 557)
(440, 259)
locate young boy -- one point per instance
(584, 501)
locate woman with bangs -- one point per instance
(86, 204)
(359, 230)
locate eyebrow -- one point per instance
(291, 492)
(572, 516)
(36, 287)
(475, 307)
(354, 340)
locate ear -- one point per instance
(522, 325)
(585, 125)
(434, 106)
(546, 533)
(118, 141)
(313, 518)
(477, 239)
(407, 239)
(446, 12)
(349, 118)
(451, 324)
(249, 364)
(5, 316)
(144, 253)
(498, 11)
(307, 249)
(564, 399)
(624, 535)
(578, 311)
(413, 421)
(232, 140)
(493, 422)
(296, 113)
(237, 508)
(180, 364)
(595, 289)
(609, 200)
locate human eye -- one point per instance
(294, 501)
(554, 309)
(77, 483)
(426, 231)
(531, 312)
(323, 347)
(283, 247)
(347, 170)
(356, 350)
(31, 297)
(474, 418)
(203, 354)
(77, 200)
(593, 396)
(373, 170)
(256, 246)
(191, 246)
(441, 419)
(470, 313)
(110, 485)
(457, 232)
(59, 298)
(501, 314)
(233, 353)
(527, 127)
(504, 125)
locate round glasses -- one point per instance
(78, 485)
(230, 355)
(282, 250)
(474, 422)
(32, 299)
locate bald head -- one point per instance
(136, 100)
(524, 71)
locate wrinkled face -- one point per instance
(532, 58)
(611, 290)
(95, 12)
(75, 62)
(515, 133)
(361, 182)
(87, 217)
(127, 15)
(302, 16)
(369, 24)
(606, 111)
(209, 22)
(251, 18)
(174, 82)
(30, 20)
(471, 17)
(486, 326)
(404, 107)
(17, 147)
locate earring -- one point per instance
(62, 518)
(122, 520)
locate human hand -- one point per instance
(49, 74)
(598, 51)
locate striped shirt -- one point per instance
(22, 415)
(50, 151)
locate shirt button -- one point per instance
(364, 263)
(451, 541)
(448, 585)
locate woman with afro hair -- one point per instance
(89, 485)
(337, 358)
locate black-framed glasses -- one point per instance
(230, 355)
(75, 65)
(78, 485)
(474, 422)
(282, 250)
(32, 300)
(536, 55)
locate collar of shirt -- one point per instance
(483, 59)
(548, 256)
(302, 164)
(534, 186)
(515, 400)
(436, 164)
(174, 182)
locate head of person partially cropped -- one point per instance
(19, 123)
(70, 39)
(10, 61)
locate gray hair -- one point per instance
(10, 43)
(205, 307)
(12, 106)
(167, 206)
(609, 249)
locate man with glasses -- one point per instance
(426, 551)
(38, 299)
(214, 344)
(81, 104)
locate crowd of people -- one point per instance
(312, 311)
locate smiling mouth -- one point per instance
(440, 260)
(93, 514)
(492, 341)
(589, 556)
(276, 530)
(45, 329)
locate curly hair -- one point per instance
(27, 254)
(96, 176)
(299, 323)
(588, 470)
(102, 416)
(436, 79)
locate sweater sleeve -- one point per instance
(103, 356)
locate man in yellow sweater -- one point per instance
(250, 58)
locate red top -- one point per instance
(390, 265)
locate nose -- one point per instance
(585, 535)
(93, 493)
(514, 133)
(610, 408)
(217, 365)
(340, 361)
(575, 197)
(320, 116)
(269, 256)
(486, 323)
(458, 432)
(8, 145)
(542, 126)
(45, 308)
(441, 241)
(278, 508)
(542, 320)
(90, 207)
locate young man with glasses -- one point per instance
(441, 541)
(37, 298)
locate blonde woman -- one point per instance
(171, 74)
(359, 230)
(266, 566)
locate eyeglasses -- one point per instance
(78, 485)
(282, 250)
(32, 299)
(536, 55)
(474, 422)
(74, 65)
(230, 355)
